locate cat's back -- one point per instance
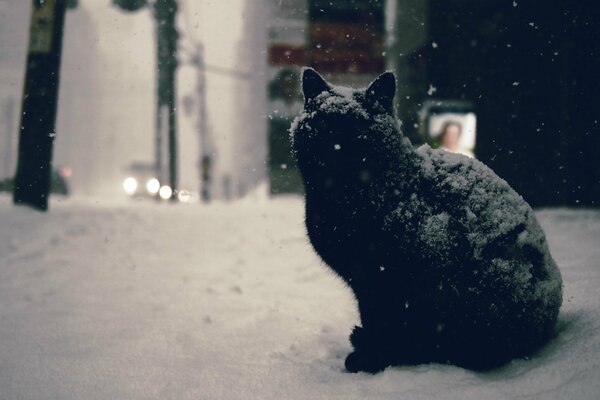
(496, 230)
(477, 199)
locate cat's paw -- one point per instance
(366, 339)
(357, 337)
(360, 361)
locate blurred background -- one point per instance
(518, 80)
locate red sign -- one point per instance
(286, 54)
(346, 37)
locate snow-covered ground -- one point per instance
(149, 301)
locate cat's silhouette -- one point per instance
(447, 262)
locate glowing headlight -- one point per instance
(153, 186)
(130, 185)
(165, 192)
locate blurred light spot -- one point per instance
(153, 186)
(184, 196)
(66, 172)
(165, 192)
(130, 185)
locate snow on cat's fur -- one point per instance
(447, 262)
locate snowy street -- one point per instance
(228, 301)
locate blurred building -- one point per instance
(247, 175)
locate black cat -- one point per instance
(447, 262)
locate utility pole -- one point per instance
(40, 99)
(164, 12)
(206, 151)
(166, 38)
(197, 60)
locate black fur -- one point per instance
(448, 264)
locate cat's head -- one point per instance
(377, 98)
(343, 130)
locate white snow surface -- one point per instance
(228, 301)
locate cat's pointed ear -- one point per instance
(383, 90)
(313, 84)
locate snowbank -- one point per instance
(151, 301)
